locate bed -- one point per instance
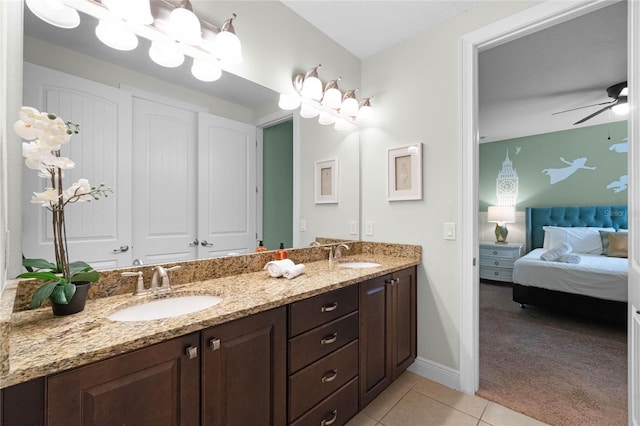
(597, 285)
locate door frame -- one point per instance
(526, 22)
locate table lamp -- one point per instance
(501, 215)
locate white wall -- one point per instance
(417, 93)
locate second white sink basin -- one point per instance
(165, 308)
(355, 265)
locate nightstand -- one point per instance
(496, 260)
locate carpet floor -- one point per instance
(559, 369)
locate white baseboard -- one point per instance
(437, 372)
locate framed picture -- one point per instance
(327, 181)
(405, 173)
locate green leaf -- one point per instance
(40, 264)
(91, 276)
(40, 276)
(63, 293)
(41, 294)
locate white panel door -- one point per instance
(101, 152)
(164, 186)
(226, 186)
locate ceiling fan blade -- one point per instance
(586, 106)
(589, 117)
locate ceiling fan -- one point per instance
(618, 94)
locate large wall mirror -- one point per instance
(79, 53)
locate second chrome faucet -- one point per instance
(159, 273)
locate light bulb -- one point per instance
(166, 54)
(349, 107)
(365, 113)
(288, 103)
(206, 70)
(308, 111)
(312, 88)
(228, 47)
(116, 36)
(326, 118)
(332, 98)
(184, 25)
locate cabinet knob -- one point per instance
(192, 352)
(329, 308)
(330, 376)
(214, 344)
(330, 421)
(495, 252)
(496, 273)
(496, 263)
(327, 340)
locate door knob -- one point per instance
(122, 249)
(194, 243)
(206, 244)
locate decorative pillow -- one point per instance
(582, 239)
(618, 244)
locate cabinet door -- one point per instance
(157, 385)
(403, 321)
(375, 350)
(244, 371)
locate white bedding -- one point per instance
(596, 275)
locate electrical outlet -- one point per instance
(353, 227)
(303, 225)
(368, 228)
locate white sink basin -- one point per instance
(355, 265)
(165, 308)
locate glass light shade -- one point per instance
(332, 98)
(312, 88)
(184, 26)
(228, 47)
(365, 114)
(342, 124)
(308, 111)
(288, 102)
(205, 70)
(621, 108)
(135, 11)
(501, 214)
(326, 118)
(349, 107)
(166, 54)
(116, 35)
(54, 12)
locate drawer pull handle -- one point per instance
(332, 420)
(192, 352)
(329, 308)
(330, 376)
(214, 344)
(329, 339)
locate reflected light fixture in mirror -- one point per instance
(121, 22)
(327, 101)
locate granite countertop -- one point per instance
(41, 344)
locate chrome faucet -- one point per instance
(165, 285)
(338, 252)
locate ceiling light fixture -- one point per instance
(327, 101)
(174, 31)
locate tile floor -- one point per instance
(415, 401)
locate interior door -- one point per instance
(102, 154)
(164, 185)
(226, 186)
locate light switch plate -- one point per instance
(303, 225)
(449, 231)
(353, 227)
(368, 228)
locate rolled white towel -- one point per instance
(276, 267)
(569, 258)
(293, 271)
(556, 252)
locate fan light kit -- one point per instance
(174, 31)
(327, 102)
(619, 103)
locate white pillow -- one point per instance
(581, 239)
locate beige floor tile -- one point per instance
(361, 419)
(408, 379)
(497, 415)
(416, 409)
(470, 404)
(380, 406)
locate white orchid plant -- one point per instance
(46, 134)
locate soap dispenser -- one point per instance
(281, 253)
(261, 247)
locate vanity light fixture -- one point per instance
(327, 101)
(174, 31)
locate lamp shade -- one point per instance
(184, 25)
(166, 54)
(501, 214)
(54, 12)
(206, 70)
(116, 36)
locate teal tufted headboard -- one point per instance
(598, 216)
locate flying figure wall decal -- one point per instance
(558, 175)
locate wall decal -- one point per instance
(621, 147)
(618, 185)
(507, 183)
(558, 175)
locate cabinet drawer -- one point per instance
(496, 262)
(313, 345)
(309, 313)
(335, 410)
(496, 274)
(314, 383)
(504, 252)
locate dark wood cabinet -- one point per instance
(157, 385)
(23, 404)
(244, 371)
(387, 331)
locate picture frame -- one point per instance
(404, 173)
(326, 181)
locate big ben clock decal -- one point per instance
(507, 184)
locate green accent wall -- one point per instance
(574, 186)
(277, 186)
